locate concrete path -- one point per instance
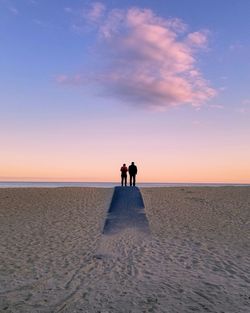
(126, 211)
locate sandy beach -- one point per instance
(54, 257)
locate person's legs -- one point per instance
(125, 180)
(122, 179)
(130, 180)
(134, 180)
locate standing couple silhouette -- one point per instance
(132, 169)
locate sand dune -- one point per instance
(54, 257)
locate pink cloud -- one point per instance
(198, 39)
(148, 61)
(95, 12)
(62, 79)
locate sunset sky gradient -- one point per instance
(87, 86)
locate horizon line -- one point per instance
(118, 182)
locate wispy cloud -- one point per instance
(246, 102)
(86, 19)
(236, 47)
(40, 22)
(216, 106)
(95, 12)
(14, 10)
(33, 2)
(147, 60)
(68, 9)
(241, 110)
(244, 107)
(10, 6)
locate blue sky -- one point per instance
(47, 45)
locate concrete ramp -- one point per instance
(126, 211)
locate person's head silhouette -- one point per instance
(124, 164)
(132, 163)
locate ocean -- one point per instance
(106, 184)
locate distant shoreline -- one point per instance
(26, 184)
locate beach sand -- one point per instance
(54, 257)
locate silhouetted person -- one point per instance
(132, 173)
(124, 171)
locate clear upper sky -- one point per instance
(87, 86)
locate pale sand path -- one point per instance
(197, 259)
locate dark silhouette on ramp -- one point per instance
(126, 210)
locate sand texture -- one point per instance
(54, 257)
(48, 238)
(204, 234)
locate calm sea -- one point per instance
(104, 185)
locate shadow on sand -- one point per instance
(126, 211)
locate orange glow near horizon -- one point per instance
(216, 170)
(163, 152)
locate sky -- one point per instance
(86, 86)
